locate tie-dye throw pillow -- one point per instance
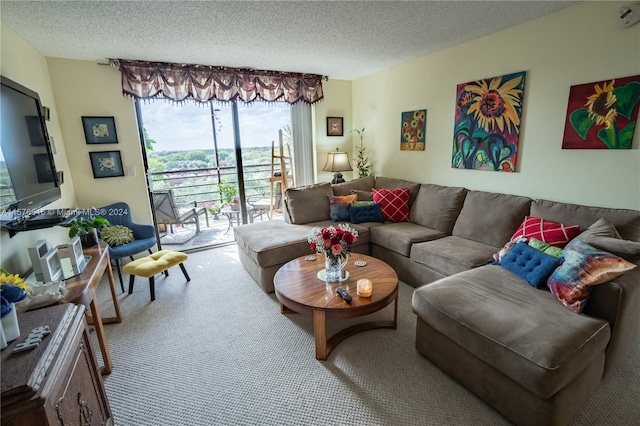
(584, 266)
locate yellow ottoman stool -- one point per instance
(154, 264)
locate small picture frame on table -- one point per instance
(106, 164)
(99, 130)
(78, 260)
(51, 266)
(334, 126)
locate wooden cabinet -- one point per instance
(57, 383)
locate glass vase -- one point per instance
(333, 268)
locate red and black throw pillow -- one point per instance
(394, 203)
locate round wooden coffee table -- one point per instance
(300, 291)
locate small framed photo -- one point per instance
(78, 260)
(99, 130)
(334, 126)
(106, 164)
(51, 266)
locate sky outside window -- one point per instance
(188, 126)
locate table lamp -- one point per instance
(337, 162)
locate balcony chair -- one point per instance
(169, 213)
(144, 235)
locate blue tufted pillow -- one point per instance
(530, 264)
(368, 213)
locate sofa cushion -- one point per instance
(308, 203)
(273, 242)
(584, 266)
(627, 222)
(437, 207)
(490, 218)
(365, 213)
(394, 203)
(553, 233)
(450, 255)
(339, 207)
(399, 237)
(521, 331)
(530, 264)
(391, 183)
(604, 236)
(361, 184)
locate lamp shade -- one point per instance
(337, 162)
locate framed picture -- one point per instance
(51, 266)
(43, 168)
(99, 130)
(413, 129)
(106, 164)
(334, 126)
(35, 130)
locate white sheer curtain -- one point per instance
(302, 143)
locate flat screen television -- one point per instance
(28, 178)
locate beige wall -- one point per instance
(578, 45)
(23, 64)
(84, 88)
(336, 103)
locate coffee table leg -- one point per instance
(320, 333)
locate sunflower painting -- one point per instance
(412, 130)
(602, 115)
(487, 123)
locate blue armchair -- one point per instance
(145, 235)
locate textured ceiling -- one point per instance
(340, 39)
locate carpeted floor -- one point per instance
(217, 351)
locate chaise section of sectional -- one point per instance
(513, 345)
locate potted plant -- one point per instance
(229, 195)
(361, 161)
(214, 210)
(86, 229)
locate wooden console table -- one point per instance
(81, 289)
(58, 382)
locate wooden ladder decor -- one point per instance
(285, 178)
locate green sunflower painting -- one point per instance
(602, 115)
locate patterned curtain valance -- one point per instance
(180, 82)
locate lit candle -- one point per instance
(365, 288)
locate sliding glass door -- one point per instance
(216, 157)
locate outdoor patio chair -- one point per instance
(169, 213)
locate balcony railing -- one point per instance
(201, 185)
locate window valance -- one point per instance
(180, 82)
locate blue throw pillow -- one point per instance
(368, 213)
(530, 264)
(339, 212)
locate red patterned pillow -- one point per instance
(552, 233)
(394, 203)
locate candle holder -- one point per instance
(364, 288)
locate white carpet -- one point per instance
(217, 351)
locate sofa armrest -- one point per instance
(618, 302)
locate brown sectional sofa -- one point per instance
(515, 346)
